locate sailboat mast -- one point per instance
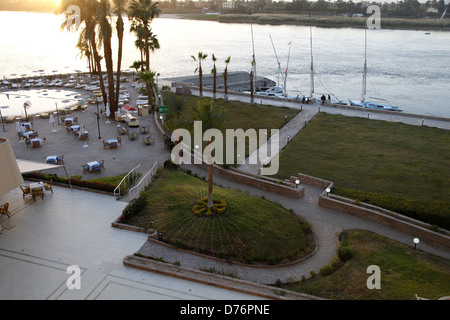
(287, 64)
(254, 60)
(363, 97)
(278, 61)
(312, 67)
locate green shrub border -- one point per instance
(434, 213)
(105, 187)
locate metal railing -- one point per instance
(146, 180)
(127, 180)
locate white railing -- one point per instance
(146, 180)
(129, 178)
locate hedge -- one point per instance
(434, 213)
(106, 187)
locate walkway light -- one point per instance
(416, 242)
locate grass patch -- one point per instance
(373, 156)
(252, 230)
(404, 272)
(237, 115)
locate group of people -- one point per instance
(323, 98)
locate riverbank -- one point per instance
(326, 21)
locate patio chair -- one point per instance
(27, 142)
(25, 190)
(84, 136)
(37, 192)
(119, 139)
(113, 145)
(20, 134)
(144, 130)
(48, 186)
(36, 144)
(102, 163)
(60, 159)
(105, 144)
(85, 168)
(4, 209)
(132, 136)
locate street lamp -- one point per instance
(297, 183)
(328, 191)
(98, 121)
(1, 116)
(416, 242)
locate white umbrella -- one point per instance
(108, 112)
(85, 145)
(52, 121)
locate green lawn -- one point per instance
(252, 230)
(237, 115)
(374, 156)
(404, 272)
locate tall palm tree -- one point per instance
(143, 12)
(104, 13)
(214, 72)
(210, 119)
(119, 9)
(225, 78)
(201, 56)
(89, 21)
(148, 77)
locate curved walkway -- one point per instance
(326, 223)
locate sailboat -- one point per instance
(363, 102)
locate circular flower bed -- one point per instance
(201, 208)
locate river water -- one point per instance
(408, 68)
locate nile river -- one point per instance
(408, 68)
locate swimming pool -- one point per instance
(42, 100)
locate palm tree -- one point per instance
(143, 12)
(214, 72)
(210, 119)
(104, 13)
(225, 77)
(89, 20)
(148, 77)
(199, 58)
(119, 9)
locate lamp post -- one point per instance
(98, 121)
(416, 242)
(1, 116)
(328, 191)
(57, 116)
(297, 183)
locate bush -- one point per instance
(345, 253)
(134, 207)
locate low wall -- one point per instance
(397, 221)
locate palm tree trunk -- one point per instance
(119, 56)
(214, 84)
(210, 180)
(110, 73)
(200, 75)
(225, 78)
(147, 53)
(97, 61)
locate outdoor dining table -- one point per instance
(92, 166)
(53, 159)
(112, 140)
(68, 121)
(75, 127)
(39, 185)
(27, 134)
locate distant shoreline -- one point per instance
(326, 21)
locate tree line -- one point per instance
(97, 22)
